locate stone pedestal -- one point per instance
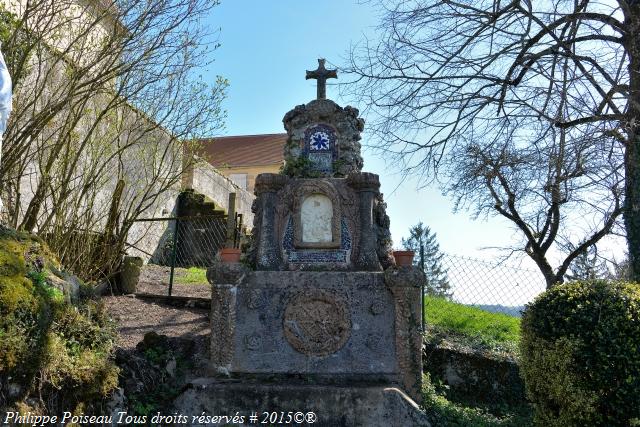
(329, 327)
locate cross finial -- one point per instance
(321, 74)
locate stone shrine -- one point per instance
(319, 318)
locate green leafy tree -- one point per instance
(421, 236)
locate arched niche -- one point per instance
(317, 218)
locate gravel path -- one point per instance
(135, 317)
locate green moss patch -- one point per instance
(50, 349)
(445, 412)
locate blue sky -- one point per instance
(266, 48)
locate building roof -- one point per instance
(245, 150)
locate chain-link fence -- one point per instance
(186, 247)
(493, 286)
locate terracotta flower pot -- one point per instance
(403, 258)
(230, 255)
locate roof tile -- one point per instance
(245, 150)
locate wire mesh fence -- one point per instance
(492, 286)
(186, 247)
(189, 245)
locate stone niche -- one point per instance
(319, 224)
(323, 141)
(322, 212)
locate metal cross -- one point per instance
(321, 74)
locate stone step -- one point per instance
(314, 405)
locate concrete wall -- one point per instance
(251, 171)
(126, 145)
(76, 28)
(210, 182)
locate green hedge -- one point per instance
(580, 354)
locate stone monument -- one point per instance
(322, 320)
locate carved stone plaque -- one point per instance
(316, 215)
(317, 322)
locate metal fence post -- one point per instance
(231, 221)
(423, 283)
(173, 254)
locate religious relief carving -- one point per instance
(252, 342)
(317, 323)
(256, 299)
(316, 217)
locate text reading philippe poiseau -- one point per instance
(237, 418)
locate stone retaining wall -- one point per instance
(474, 376)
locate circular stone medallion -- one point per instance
(317, 322)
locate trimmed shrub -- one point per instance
(580, 354)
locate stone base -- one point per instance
(363, 326)
(333, 406)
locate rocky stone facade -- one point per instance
(355, 225)
(323, 212)
(326, 117)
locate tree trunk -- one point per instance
(632, 154)
(31, 216)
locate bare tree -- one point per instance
(524, 109)
(105, 93)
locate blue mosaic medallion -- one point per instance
(320, 147)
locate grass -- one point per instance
(190, 276)
(470, 325)
(470, 328)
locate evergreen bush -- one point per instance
(580, 354)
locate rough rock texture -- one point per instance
(332, 406)
(227, 273)
(360, 227)
(475, 376)
(223, 324)
(329, 325)
(405, 284)
(383, 232)
(344, 121)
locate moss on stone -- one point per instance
(50, 349)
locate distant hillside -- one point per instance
(511, 310)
